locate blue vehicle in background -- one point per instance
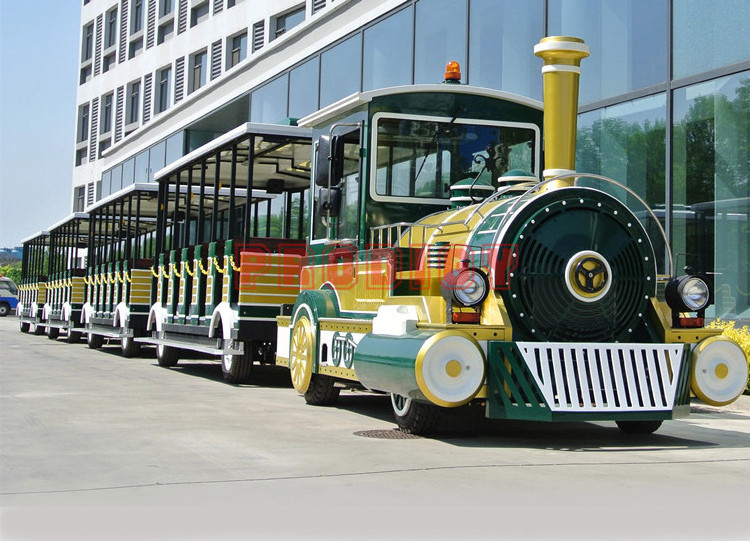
(8, 296)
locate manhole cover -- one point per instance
(393, 434)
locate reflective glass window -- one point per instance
(116, 180)
(711, 191)
(269, 103)
(500, 55)
(128, 172)
(106, 184)
(303, 89)
(440, 37)
(156, 159)
(340, 70)
(628, 41)
(141, 167)
(385, 61)
(175, 146)
(709, 34)
(627, 142)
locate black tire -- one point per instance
(237, 369)
(94, 341)
(38, 330)
(53, 333)
(414, 417)
(4, 309)
(129, 347)
(638, 427)
(24, 326)
(167, 356)
(322, 391)
(72, 337)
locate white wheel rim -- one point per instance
(400, 404)
(719, 372)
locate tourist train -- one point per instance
(432, 242)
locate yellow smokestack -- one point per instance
(562, 57)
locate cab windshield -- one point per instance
(421, 158)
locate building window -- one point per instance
(104, 145)
(79, 199)
(165, 7)
(136, 48)
(709, 35)
(438, 38)
(166, 31)
(711, 192)
(232, 3)
(133, 105)
(110, 31)
(81, 156)
(621, 35)
(335, 83)
(83, 123)
(164, 82)
(199, 14)
(87, 43)
(108, 62)
(197, 71)
(85, 74)
(287, 21)
(384, 63)
(500, 59)
(105, 125)
(238, 50)
(136, 19)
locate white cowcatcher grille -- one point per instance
(604, 377)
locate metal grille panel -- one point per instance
(147, 85)
(151, 24)
(179, 78)
(123, 31)
(94, 132)
(98, 45)
(216, 48)
(258, 35)
(604, 377)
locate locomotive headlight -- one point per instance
(467, 287)
(687, 294)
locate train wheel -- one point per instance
(94, 341)
(301, 352)
(73, 337)
(53, 333)
(24, 326)
(238, 368)
(166, 356)
(38, 330)
(321, 391)
(638, 427)
(128, 346)
(414, 417)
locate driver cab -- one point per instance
(392, 156)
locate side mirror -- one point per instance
(323, 160)
(329, 202)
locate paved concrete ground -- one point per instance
(96, 446)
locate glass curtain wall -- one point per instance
(711, 190)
